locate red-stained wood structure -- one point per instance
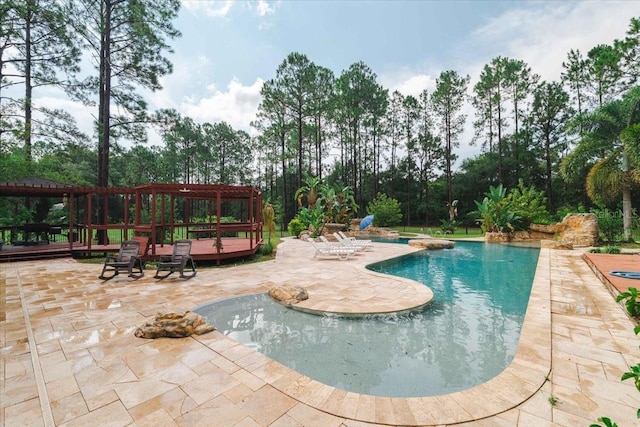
(223, 221)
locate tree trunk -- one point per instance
(626, 201)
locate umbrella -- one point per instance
(366, 221)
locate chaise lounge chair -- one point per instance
(128, 260)
(178, 261)
(326, 249)
(359, 245)
(344, 236)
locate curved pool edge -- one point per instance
(521, 380)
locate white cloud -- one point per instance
(264, 8)
(407, 83)
(237, 105)
(214, 8)
(542, 34)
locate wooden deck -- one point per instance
(201, 250)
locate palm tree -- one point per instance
(611, 144)
(310, 190)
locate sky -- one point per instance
(229, 48)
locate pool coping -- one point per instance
(518, 382)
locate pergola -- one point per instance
(154, 215)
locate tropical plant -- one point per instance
(611, 145)
(310, 190)
(609, 223)
(312, 218)
(448, 226)
(631, 300)
(296, 227)
(268, 220)
(385, 210)
(495, 211)
(632, 305)
(529, 204)
(338, 203)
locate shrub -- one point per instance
(448, 226)
(296, 227)
(311, 218)
(631, 301)
(386, 211)
(266, 249)
(529, 204)
(610, 224)
(495, 213)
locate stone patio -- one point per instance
(69, 356)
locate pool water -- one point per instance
(467, 335)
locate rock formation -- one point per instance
(428, 243)
(287, 294)
(174, 325)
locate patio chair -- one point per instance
(344, 236)
(179, 260)
(327, 249)
(359, 245)
(127, 259)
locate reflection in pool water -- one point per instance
(467, 335)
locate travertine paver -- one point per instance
(68, 337)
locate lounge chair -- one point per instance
(177, 261)
(344, 236)
(128, 260)
(359, 245)
(326, 249)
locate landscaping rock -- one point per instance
(431, 243)
(579, 229)
(287, 294)
(174, 325)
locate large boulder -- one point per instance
(288, 294)
(431, 243)
(579, 229)
(174, 325)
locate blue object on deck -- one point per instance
(626, 274)
(366, 221)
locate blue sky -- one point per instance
(229, 48)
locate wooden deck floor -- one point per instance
(201, 250)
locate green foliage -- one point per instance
(635, 374)
(606, 422)
(448, 226)
(609, 223)
(385, 210)
(338, 203)
(296, 226)
(266, 249)
(605, 250)
(564, 210)
(553, 400)
(529, 204)
(495, 212)
(309, 191)
(631, 300)
(312, 218)
(23, 216)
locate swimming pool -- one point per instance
(467, 335)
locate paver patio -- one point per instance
(69, 356)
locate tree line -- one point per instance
(346, 129)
